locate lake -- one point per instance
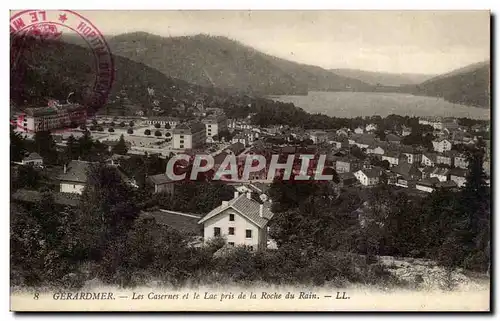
(354, 104)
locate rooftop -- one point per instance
(159, 179)
(249, 208)
(184, 222)
(76, 171)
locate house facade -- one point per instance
(74, 176)
(368, 177)
(441, 145)
(33, 159)
(242, 221)
(461, 161)
(189, 135)
(429, 159)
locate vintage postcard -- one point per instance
(250, 160)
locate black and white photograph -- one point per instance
(250, 160)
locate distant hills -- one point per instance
(469, 85)
(383, 78)
(217, 70)
(52, 69)
(224, 63)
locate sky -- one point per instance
(425, 42)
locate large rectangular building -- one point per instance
(189, 135)
(214, 125)
(49, 118)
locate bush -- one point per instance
(100, 129)
(130, 131)
(157, 125)
(167, 134)
(83, 127)
(131, 124)
(147, 132)
(122, 124)
(112, 124)
(167, 126)
(157, 133)
(111, 130)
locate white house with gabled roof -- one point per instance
(242, 221)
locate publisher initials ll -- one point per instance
(342, 296)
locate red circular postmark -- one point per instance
(50, 26)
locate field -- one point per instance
(350, 104)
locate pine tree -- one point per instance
(121, 147)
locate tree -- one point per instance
(94, 122)
(17, 146)
(380, 133)
(83, 127)
(27, 177)
(107, 211)
(167, 126)
(130, 131)
(167, 134)
(131, 124)
(157, 125)
(72, 149)
(111, 130)
(100, 129)
(147, 132)
(46, 147)
(112, 124)
(157, 133)
(121, 147)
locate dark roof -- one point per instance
(447, 184)
(43, 111)
(32, 156)
(236, 147)
(35, 196)
(183, 222)
(429, 182)
(392, 137)
(371, 172)
(192, 127)
(248, 208)
(159, 179)
(391, 153)
(76, 171)
(405, 169)
(263, 187)
(346, 176)
(431, 156)
(458, 172)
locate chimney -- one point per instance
(261, 210)
(65, 168)
(249, 195)
(236, 194)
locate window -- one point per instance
(182, 136)
(181, 146)
(251, 248)
(248, 234)
(231, 231)
(231, 217)
(231, 243)
(216, 231)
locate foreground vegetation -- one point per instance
(324, 235)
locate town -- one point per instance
(418, 157)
